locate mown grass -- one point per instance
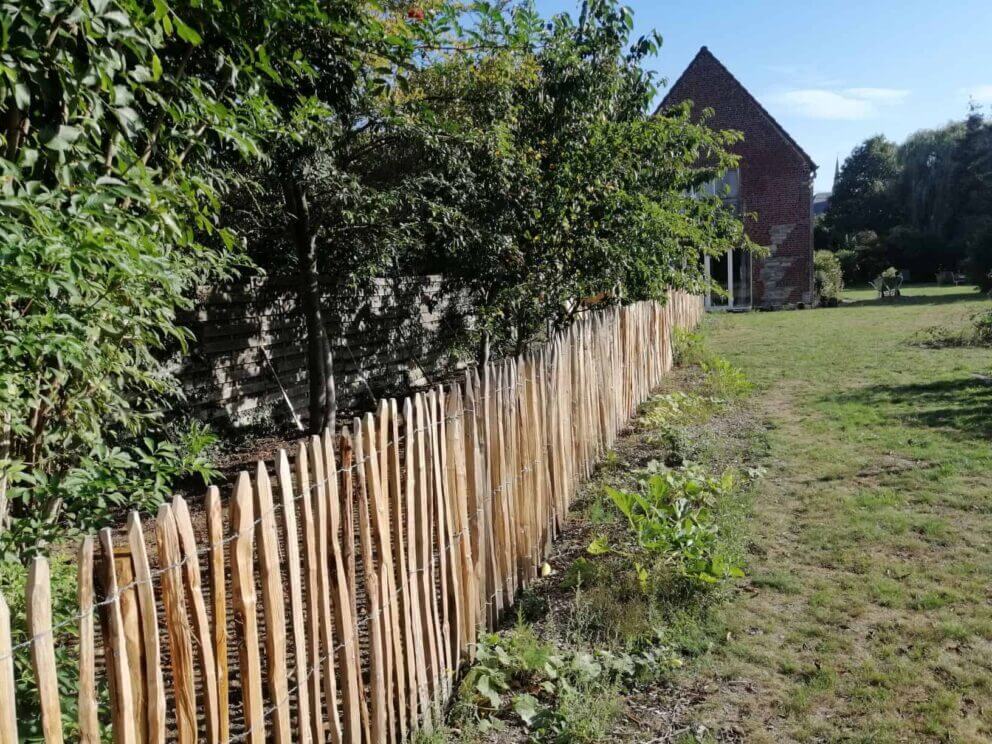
(867, 616)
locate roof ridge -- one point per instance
(705, 52)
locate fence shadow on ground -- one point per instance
(961, 407)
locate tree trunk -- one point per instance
(483, 354)
(320, 360)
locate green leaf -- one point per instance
(63, 139)
(22, 96)
(484, 687)
(599, 546)
(186, 33)
(156, 67)
(527, 707)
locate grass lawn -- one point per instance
(867, 615)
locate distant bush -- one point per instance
(828, 277)
(849, 266)
(977, 333)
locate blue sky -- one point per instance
(834, 72)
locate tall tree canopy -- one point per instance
(923, 206)
(863, 198)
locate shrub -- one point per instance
(977, 333)
(671, 517)
(849, 267)
(828, 277)
(688, 347)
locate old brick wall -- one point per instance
(775, 181)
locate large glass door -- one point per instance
(730, 281)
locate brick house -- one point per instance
(774, 181)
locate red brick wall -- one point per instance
(775, 182)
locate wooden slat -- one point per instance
(418, 633)
(154, 693)
(450, 556)
(321, 508)
(39, 617)
(8, 704)
(377, 676)
(177, 624)
(438, 563)
(202, 629)
(273, 607)
(121, 699)
(424, 566)
(218, 605)
(351, 719)
(311, 567)
(378, 452)
(347, 483)
(294, 579)
(89, 724)
(458, 479)
(245, 618)
(133, 645)
(396, 482)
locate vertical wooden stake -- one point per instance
(122, 701)
(8, 703)
(218, 603)
(154, 682)
(294, 578)
(89, 724)
(273, 607)
(243, 588)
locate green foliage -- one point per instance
(558, 183)
(121, 116)
(927, 202)
(688, 347)
(671, 517)
(560, 694)
(13, 579)
(678, 407)
(724, 380)
(828, 276)
(978, 332)
(973, 198)
(862, 197)
(150, 147)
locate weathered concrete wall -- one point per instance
(386, 338)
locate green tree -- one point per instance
(127, 122)
(576, 190)
(863, 197)
(971, 226)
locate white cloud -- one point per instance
(980, 93)
(851, 104)
(879, 95)
(826, 104)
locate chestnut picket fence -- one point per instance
(339, 589)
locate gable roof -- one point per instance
(704, 54)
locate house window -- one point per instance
(727, 186)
